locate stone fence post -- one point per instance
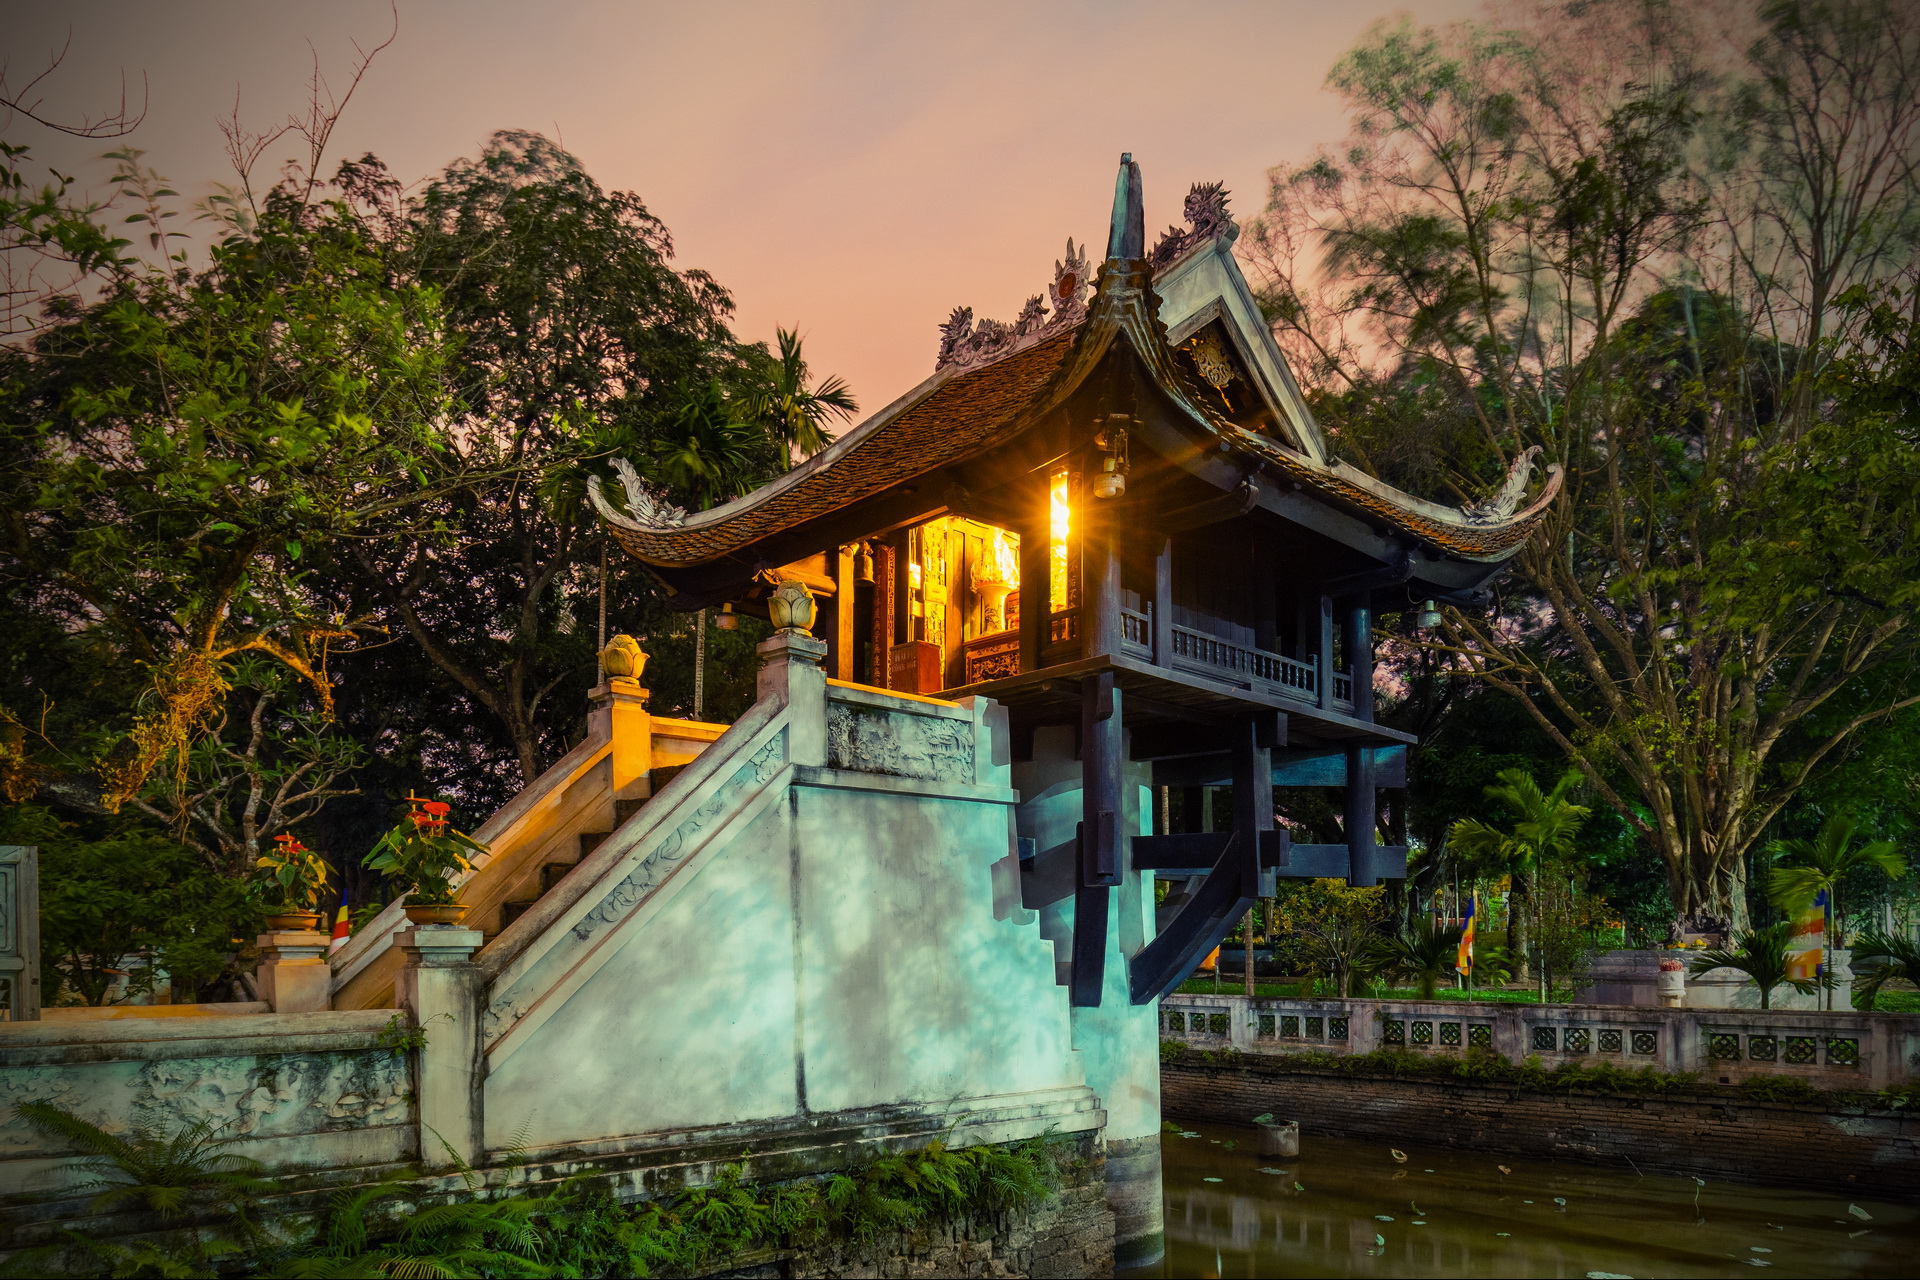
(440, 987)
(293, 975)
(1510, 1038)
(790, 670)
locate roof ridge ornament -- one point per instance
(966, 345)
(1501, 504)
(1206, 214)
(1127, 230)
(647, 508)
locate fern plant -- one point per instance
(167, 1174)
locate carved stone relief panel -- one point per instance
(932, 748)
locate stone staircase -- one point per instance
(552, 873)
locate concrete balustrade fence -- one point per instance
(1832, 1050)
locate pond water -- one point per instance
(1347, 1207)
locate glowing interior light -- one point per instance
(1062, 525)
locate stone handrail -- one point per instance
(1839, 1049)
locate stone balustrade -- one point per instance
(1839, 1049)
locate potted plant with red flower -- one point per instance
(424, 852)
(292, 878)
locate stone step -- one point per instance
(552, 873)
(624, 809)
(590, 840)
(511, 911)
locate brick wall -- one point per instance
(1711, 1136)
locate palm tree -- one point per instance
(1810, 867)
(1881, 959)
(796, 413)
(709, 448)
(1548, 824)
(1425, 953)
(1762, 956)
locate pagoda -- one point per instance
(1117, 517)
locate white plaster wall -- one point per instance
(918, 982)
(690, 1022)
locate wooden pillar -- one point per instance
(843, 616)
(1102, 761)
(1359, 647)
(1324, 660)
(1252, 801)
(1100, 576)
(885, 562)
(1163, 603)
(1359, 817)
(1036, 579)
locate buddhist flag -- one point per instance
(342, 928)
(1463, 959)
(1806, 950)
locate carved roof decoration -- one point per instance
(996, 380)
(966, 345)
(1206, 215)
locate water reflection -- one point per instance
(1348, 1208)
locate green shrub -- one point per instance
(1779, 1089)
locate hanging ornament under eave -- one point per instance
(1111, 480)
(863, 563)
(726, 619)
(1428, 617)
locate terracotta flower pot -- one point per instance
(449, 913)
(302, 921)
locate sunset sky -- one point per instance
(853, 169)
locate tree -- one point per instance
(1335, 925)
(1543, 833)
(1880, 959)
(1543, 237)
(578, 337)
(798, 412)
(1425, 953)
(179, 449)
(1808, 868)
(1762, 956)
(119, 905)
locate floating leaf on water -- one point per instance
(1699, 1182)
(1855, 1235)
(1299, 1186)
(1502, 1168)
(1379, 1239)
(1757, 1262)
(1426, 1171)
(1526, 1202)
(1859, 1213)
(1227, 1145)
(1400, 1157)
(1561, 1201)
(1383, 1217)
(1607, 1275)
(1279, 1171)
(1265, 1117)
(1213, 1179)
(1772, 1227)
(1419, 1222)
(1759, 1248)
(1504, 1234)
(1188, 1133)
(1399, 1174)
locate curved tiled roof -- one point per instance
(959, 417)
(966, 414)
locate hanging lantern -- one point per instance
(1428, 617)
(726, 619)
(863, 564)
(1109, 483)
